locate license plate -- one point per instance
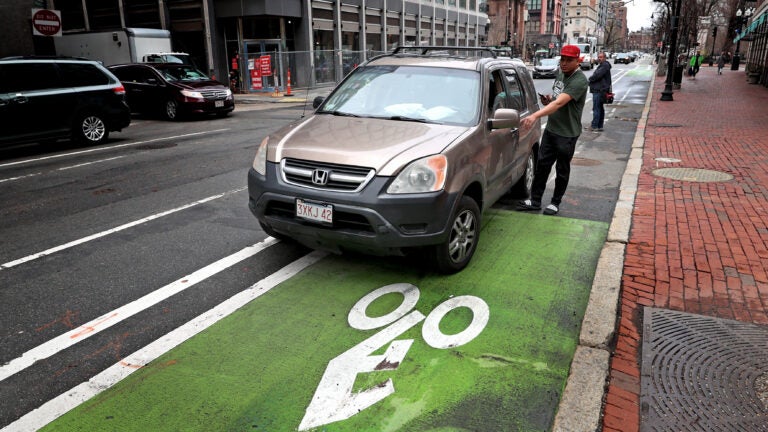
(314, 211)
(218, 104)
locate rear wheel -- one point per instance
(90, 128)
(453, 255)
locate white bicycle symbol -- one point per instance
(334, 401)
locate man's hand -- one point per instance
(527, 122)
(545, 99)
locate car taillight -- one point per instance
(119, 90)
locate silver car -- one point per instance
(403, 156)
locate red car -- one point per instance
(173, 90)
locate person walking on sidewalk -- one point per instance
(693, 66)
(558, 142)
(599, 84)
(721, 63)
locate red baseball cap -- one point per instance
(570, 51)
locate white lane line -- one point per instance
(59, 248)
(89, 163)
(111, 318)
(60, 169)
(70, 399)
(97, 149)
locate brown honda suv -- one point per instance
(405, 154)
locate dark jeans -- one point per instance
(554, 150)
(598, 110)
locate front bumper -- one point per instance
(369, 221)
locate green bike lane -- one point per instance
(356, 343)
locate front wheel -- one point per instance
(171, 109)
(456, 252)
(524, 185)
(90, 128)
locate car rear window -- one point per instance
(81, 75)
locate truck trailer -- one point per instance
(129, 45)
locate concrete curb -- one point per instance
(581, 405)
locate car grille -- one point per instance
(214, 94)
(325, 176)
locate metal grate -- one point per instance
(693, 174)
(702, 374)
(214, 94)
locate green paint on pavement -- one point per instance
(258, 369)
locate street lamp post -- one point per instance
(712, 53)
(741, 18)
(666, 95)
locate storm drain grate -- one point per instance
(702, 374)
(693, 174)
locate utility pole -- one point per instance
(666, 95)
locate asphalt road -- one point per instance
(106, 249)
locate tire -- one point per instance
(171, 110)
(453, 255)
(90, 128)
(524, 185)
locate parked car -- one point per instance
(621, 58)
(45, 99)
(173, 90)
(391, 162)
(546, 68)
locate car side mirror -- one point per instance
(317, 101)
(504, 118)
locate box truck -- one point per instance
(129, 45)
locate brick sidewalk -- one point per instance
(694, 246)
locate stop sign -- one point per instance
(46, 22)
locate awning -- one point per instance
(755, 23)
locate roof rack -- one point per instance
(425, 50)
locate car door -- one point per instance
(35, 102)
(519, 97)
(503, 142)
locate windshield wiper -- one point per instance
(405, 118)
(340, 113)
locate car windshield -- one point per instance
(409, 93)
(548, 62)
(183, 73)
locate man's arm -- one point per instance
(548, 109)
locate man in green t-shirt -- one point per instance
(558, 143)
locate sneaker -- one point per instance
(551, 210)
(599, 130)
(528, 205)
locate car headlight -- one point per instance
(260, 161)
(423, 175)
(192, 94)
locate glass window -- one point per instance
(30, 76)
(515, 92)
(412, 92)
(80, 75)
(103, 14)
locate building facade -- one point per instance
(262, 41)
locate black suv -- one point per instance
(44, 99)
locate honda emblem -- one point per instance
(320, 177)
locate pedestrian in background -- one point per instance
(721, 63)
(693, 66)
(558, 142)
(599, 84)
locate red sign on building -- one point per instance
(266, 65)
(46, 22)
